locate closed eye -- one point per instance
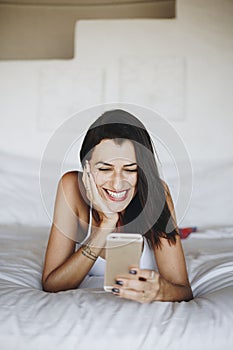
(131, 170)
(101, 169)
(128, 170)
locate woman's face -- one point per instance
(114, 168)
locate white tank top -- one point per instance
(147, 260)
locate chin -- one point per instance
(118, 207)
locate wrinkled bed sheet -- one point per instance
(90, 318)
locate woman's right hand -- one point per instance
(106, 215)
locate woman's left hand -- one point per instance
(140, 285)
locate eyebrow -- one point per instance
(107, 164)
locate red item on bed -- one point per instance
(185, 231)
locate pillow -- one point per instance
(20, 192)
(211, 199)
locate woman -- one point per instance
(119, 190)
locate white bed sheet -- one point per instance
(90, 318)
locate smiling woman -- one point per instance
(119, 187)
(116, 177)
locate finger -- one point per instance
(88, 168)
(127, 283)
(97, 199)
(87, 185)
(90, 181)
(131, 294)
(133, 273)
(148, 275)
(85, 177)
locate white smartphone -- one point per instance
(122, 250)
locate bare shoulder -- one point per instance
(70, 186)
(70, 175)
(70, 182)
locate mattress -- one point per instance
(90, 318)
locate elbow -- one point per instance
(50, 288)
(46, 286)
(174, 292)
(187, 294)
(51, 285)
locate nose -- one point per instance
(117, 182)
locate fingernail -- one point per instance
(116, 290)
(142, 279)
(133, 272)
(120, 283)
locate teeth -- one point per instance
(116, 194)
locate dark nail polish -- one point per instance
(115, 290)
(133, 272)
(142, 279)
(120, 283)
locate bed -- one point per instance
(89, 317)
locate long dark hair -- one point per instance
(148, 212)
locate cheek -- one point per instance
(132, 180)
(100, 178)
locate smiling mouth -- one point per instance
(117, 196)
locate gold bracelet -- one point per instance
(88, 256)
(88, 252)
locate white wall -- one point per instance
(200, 37)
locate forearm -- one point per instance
(173, 292)
(72, 272)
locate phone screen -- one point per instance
(122, 250)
